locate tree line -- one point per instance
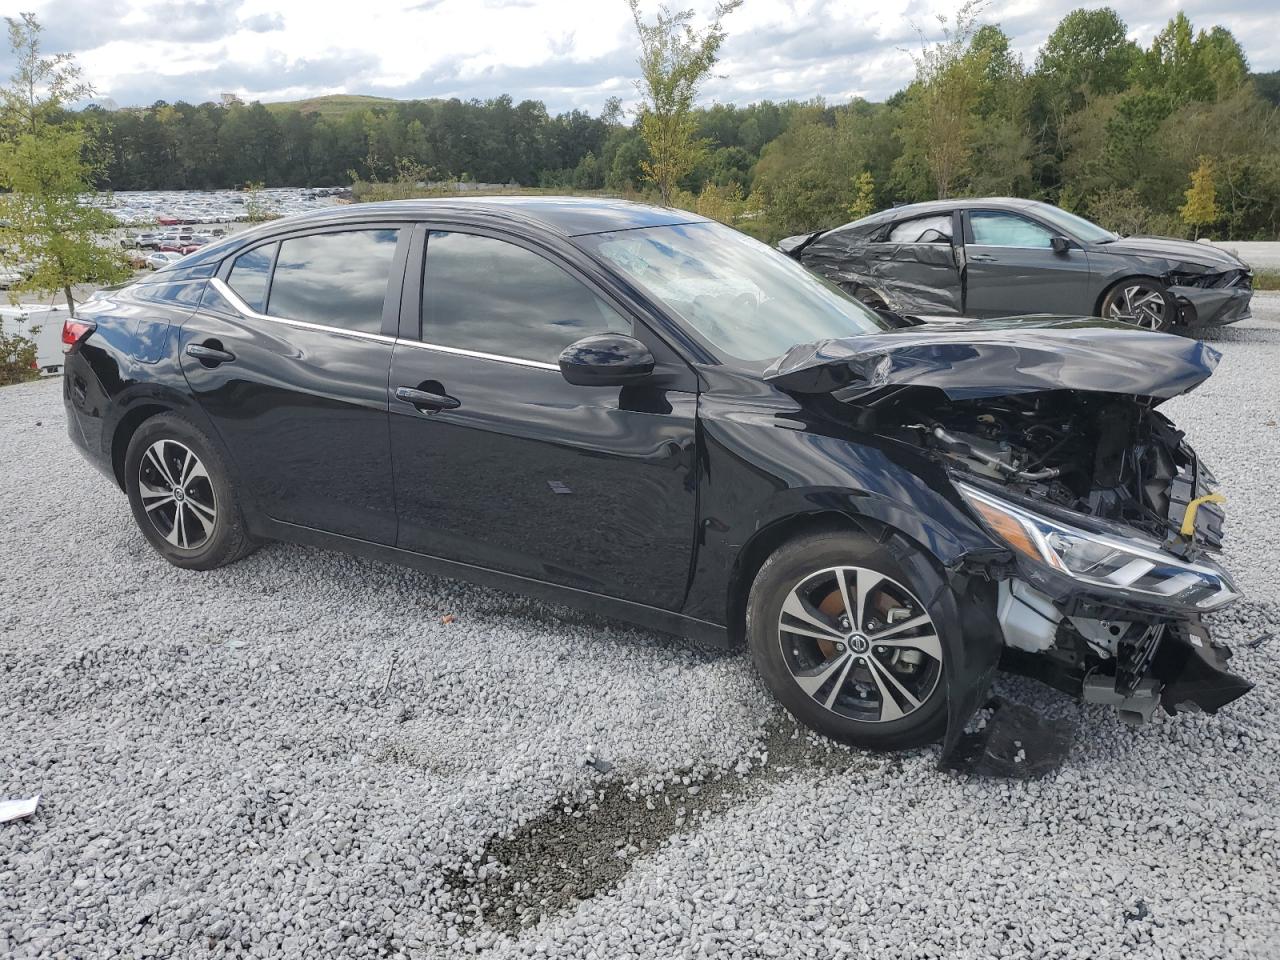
(1098, 124)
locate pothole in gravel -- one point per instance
(585, 845)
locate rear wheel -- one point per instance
(182, 497)
(1141, 301)
(847, 634)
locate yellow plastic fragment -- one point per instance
(1189, 518)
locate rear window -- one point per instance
(249, 276)
(334, 279)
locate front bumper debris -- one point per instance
(1212, 306)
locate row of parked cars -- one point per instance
(177, 207)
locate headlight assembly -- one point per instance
(1135, 566)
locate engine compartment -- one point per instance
(1100, 455)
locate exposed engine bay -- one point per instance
(1101, 456)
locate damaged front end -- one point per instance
(1206, 297)
(1050, 435)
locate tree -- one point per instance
(49, 229)
(675, 59)
(1201, 208)
(939, 119)
(1088, 54)
(864, 196)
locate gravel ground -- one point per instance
(311, 755)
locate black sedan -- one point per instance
(649, 415)
(999, 257)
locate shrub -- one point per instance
(17, 357)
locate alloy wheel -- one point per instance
(177, 494)
(1139, 304)
(860, 644)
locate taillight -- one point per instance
(73, 331)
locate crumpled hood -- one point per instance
(992, 358)
(1203, 255)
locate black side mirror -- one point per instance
(606, 360)
(1060, 244)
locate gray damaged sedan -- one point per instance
(1003, 257)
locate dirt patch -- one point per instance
(585, 845)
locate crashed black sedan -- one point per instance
(646, 414)
(999, 257)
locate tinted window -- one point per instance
(923, 230)
(249, 276)
(337, 279)
(494, 297)
(1007, 230)
(179, 294)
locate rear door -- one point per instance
(515, 469)
(289, 355)
(914, 263)
(1011, 268)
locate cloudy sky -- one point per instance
(567, 53)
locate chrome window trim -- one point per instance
(459, 351)
(246, 311)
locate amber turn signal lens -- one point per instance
(1009, 530)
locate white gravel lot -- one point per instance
(223, 774)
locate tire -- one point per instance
(182, 495)
(866, 296)
(805, 670)
(1141, 301)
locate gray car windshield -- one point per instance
(1083, 230)
(746, 300)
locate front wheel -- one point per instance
(846, 632)
(1141, 301)
(182, 497)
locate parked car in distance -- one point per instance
(647, 414)
(997, 257)
(163, 258)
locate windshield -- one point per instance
(745, 300)
(1083, 230)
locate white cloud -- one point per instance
(568, 53)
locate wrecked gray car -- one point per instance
(1000, 257)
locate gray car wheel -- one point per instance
(1141, 301)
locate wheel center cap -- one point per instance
(178, 494)
(858, 643)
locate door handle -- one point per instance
(210, 356)
(983, 258)
(424, 399)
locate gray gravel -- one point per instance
(227, 770)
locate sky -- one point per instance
(566, 53)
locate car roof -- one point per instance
(565, 216)
(909, 210)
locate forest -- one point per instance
(1102, 125)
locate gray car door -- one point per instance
(1011, 267)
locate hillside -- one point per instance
(332, 105)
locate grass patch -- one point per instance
(1266, 279)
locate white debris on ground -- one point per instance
(307, 755)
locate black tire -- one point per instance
(1130, 301)
(195, 540)
(776, 653)
(866, 296)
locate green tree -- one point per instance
(1201, 208)
(1088, 54)
(864, 196)
(675, 59)
(941, 104)
(49, 231)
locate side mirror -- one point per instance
(606, 360)
(1060, 244)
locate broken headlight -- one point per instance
(1134, 565)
